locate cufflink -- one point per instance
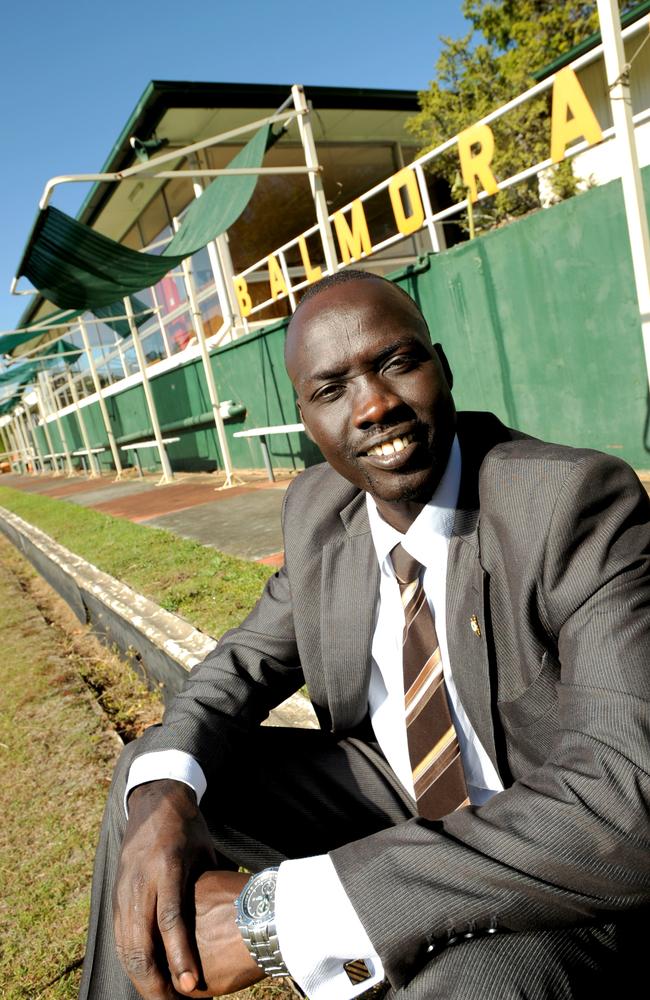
(357, 971)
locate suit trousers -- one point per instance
(297, 793)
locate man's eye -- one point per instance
(328, 392)
(401, 362)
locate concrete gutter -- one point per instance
(166, 645)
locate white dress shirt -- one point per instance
(316, 940)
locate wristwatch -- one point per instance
(255, 916)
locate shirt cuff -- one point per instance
(160, 764)
(319, 930)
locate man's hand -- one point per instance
(226, 963)
(167, 844)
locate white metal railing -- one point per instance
(430, 220)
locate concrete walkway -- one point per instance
(243, 520)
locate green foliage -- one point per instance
(486, 68)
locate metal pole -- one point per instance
(24, 426)
(161, 325)
(635, 209)
(207, 368)
(315, 182)
(100, 399)
(15, 436)
(29, 460)
(92, 464)
(167, 476)
(41, 406)
(33, 430)
(64, 443)
(219, 255)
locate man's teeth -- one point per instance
(390, 447)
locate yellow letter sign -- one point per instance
(276, 279)
(354, 243)
(405, 181)
(570, 98)
(244, 299)
(476, 165)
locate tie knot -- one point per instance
(407, 569)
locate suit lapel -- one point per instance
(349, 587)
(466, 638)
(467, 583)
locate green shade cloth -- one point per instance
(18, 375)
(10, 340)
(65, 317)
(8, 404)
(61, 350)
(141, 313)
(75, 267)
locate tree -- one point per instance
(507, 42)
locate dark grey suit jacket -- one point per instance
(551, 553)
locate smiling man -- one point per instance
(470, 609)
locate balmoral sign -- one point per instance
(572, 122)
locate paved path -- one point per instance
(243, 520)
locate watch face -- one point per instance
(258, 899)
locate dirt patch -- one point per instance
(119, 688)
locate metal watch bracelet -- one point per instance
(258, 930)
(264, 946)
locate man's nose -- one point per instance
(374, 402)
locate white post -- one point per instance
(102, 402)
(219, 255)
(33, 428)
(207, 368)
(315, 182)
(13, 438)
(18, 443)
(635, 209)
(43, 411)
(27, 451)
(64, 443)
(167, 476)
(161, 325)
(92, 464)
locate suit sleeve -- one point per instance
(569, 842)
(251, 670)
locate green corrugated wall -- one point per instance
(539, 321)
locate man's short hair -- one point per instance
(352, 274)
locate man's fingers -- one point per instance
(141, 968)
(135, 936)
(179, 946)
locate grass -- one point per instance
(57, 754)
(56, 758)
(212, 590)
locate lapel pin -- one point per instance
(476, 628)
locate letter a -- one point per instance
(276, 279)
(570, 98)
(475, 165)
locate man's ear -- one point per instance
(442, 357)
(307, 431)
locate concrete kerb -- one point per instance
(166, 645)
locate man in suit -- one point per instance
(534, 570)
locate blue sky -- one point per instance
(72, 72)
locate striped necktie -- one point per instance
(437, 768)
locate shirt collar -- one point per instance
(435, 519)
